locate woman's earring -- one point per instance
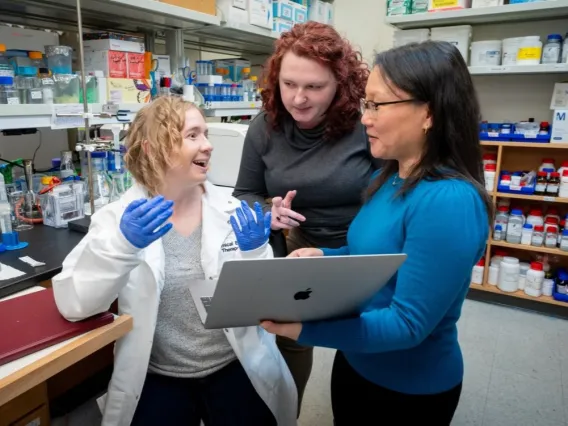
(426, 130)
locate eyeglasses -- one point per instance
(373, 107)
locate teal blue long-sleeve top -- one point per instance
(406, 337)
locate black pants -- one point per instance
(356, 401)
(224, 398)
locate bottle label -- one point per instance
(550, 240)
(13, 101)
(533, 282)
(529, 53)
(552, 188)
(540, 187)
(6, 73)
(36, 94)
(537, 240)
(550, 54)
(514, 229)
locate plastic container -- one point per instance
(502, 218)
(509, 271)
(551, 237)
(489, 175)
(402, 37)
(485, 53)
(6, 70)
(564, 240)
(66, 88)
(535, 218)
(59, 59)
(36, 59)
(537, 238)
(509, 50)
(498, 233)
(477, 272)
(459, 36)
(564, 59)
(530, 51)
(523, 269)
(534, 280)
(47, 86)
(526, 234)
(493, 276)
(515, 226)
(9, 95)
(551, 52)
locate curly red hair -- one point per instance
(322, 43)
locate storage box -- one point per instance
(113, 64)
(113, 44)
(559, 96)
(317, 11)
(403, 37)
(204, 6)
(419, 6)
(399, 7)
(459, 36)
(300, 13)
(234, 66)
(125, 91)
(328, 13)
(281, 25)
(486, 3)
(560, 126)
(441, 5)
(283, 9)
(135, 65)
(260, 13)
(228, 11)
(29, 40)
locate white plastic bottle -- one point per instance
(563, 193)
(564, 59)
(509, 271)
(526, 234)
(530, 51)
(5, 210)
(515, 226)
(502, 218)
(477, 272)
(489, 175)
(552, 49)
(534, 280)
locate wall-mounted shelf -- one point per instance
(519, 294)
(230, 109)
(519, 69)
(122, 15)
(41, 116)
(553, 9)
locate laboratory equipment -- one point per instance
(228, 141)
(59, 59)
(19, 212)
(66, 170)
(31, 207)
(66, 88)
(63, 203)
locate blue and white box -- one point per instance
(283, 9)
(560, 126)
(300, 13)
(282, 25)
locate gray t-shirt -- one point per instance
(330, 176)
(182, 346)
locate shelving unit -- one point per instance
(510, 155)
(483, 15)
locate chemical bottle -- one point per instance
(5, 210)
(515, 226)
(477, 272)
(502, 218)
(534, 280)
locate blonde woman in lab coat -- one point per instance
(147, 249)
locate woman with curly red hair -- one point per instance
(309, 146)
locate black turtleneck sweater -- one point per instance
(330, 176)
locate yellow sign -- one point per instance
(528, 53)
(439, 4)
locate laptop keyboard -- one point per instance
(206, 302)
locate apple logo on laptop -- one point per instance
(303, 295)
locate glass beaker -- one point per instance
(22, 210)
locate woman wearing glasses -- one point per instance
(400, 357)
(308, 151)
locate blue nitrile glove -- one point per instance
(251, 233)
(141, 218)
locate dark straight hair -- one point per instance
(435, 73)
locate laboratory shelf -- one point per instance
(28, 116)
(229, 109)
(121, 15)
(532, 197)
(518, 294)
(519, 69)
(553, 9)
(556, 145)
(525, 247)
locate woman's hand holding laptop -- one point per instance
(306, 252)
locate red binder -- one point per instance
(32, 322)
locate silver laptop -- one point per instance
(292, 289)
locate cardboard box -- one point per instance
(282, 25)
(233, 11)
(283, 9)
(300, 13)
(441, 5)
(126, 91)
(260, 13)
(135, 65)
(559, 96)
(116, 45)
(560, 126)
(25, 39)
(113, 64)
(204, 6)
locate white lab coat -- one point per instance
(104, 266)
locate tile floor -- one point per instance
(516, 373)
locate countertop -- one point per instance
(47, 245)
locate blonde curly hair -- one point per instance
(160, 125)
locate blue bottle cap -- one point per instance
(498, 228)
(527, 226)
(517, 212)
(555, 37)
(548, 170)
(565, 233)
(6, 80)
